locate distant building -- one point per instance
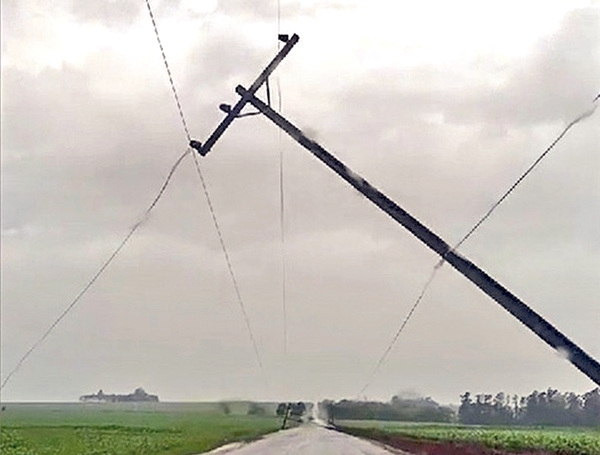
(139, 394)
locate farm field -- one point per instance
(129, 428)
(563, 441)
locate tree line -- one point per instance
(417, 410)
(549, 407)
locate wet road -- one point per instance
(307, 440)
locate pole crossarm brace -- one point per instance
(235, 111)
(536, 323)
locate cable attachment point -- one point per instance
(284, 38)
(196, 145)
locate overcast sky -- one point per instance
(441, 105)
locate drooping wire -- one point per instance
(229, 266)
(400, 330)
(476, 226)
(166, 63)
(100, 271)
(281, 198)
(283, 252)
(208, 200)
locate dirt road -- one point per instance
(307, 440)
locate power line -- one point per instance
(400, 330)
(229, 266)
(166, 63)
(100, 271)
(206, 194)
(476, 226)
(281, 197)
(283, 255)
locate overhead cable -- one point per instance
(281, 198)
(229, 266)
(208, 200)
(166, 63)
(100, 271)
(476, 226)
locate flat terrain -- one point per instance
(127, 428)
(450, 439)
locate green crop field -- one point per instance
(564, 441)
(128, 428)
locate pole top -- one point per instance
(196, 145)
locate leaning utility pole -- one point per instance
(536, 323)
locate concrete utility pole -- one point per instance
(536, 323)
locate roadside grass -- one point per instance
(125, 429)
(563, 441)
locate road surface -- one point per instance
(308, 439)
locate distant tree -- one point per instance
(465, 410)
(549, 407)
(591, 407)
(515, 407)
(408, 409)
(225, 408)
(297, 409)
(281, 408)
(256, 409)
(574, 408)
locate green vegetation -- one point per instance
(549, 407)
(129, 429)
(416, 409)
(564, 441)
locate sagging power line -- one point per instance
(100, 271)
(281, 198)
(469, 233)
(208, 200)
(230, 267)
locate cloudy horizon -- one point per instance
(440, 107)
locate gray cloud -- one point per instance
(109, 13)
(554, 83)
(81, 163)
(251, 10)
